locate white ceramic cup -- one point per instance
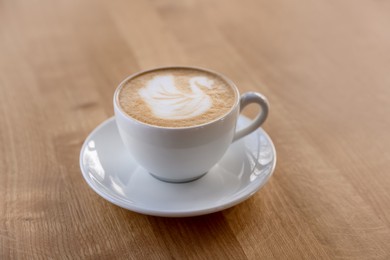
(186, 153)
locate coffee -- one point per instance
(176, 97)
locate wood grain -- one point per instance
(324, 65)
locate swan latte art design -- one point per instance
(168, 102)
(176, 97)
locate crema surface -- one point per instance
(176, 97)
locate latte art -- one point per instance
(176, 97)
(168, 102)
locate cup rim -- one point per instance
(226, 79)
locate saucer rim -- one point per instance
(175, 213)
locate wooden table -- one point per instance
(324, 65)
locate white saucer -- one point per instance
(111, 172)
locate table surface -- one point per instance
(324, 66)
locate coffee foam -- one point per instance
(176, 97)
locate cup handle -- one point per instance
(246, 99)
